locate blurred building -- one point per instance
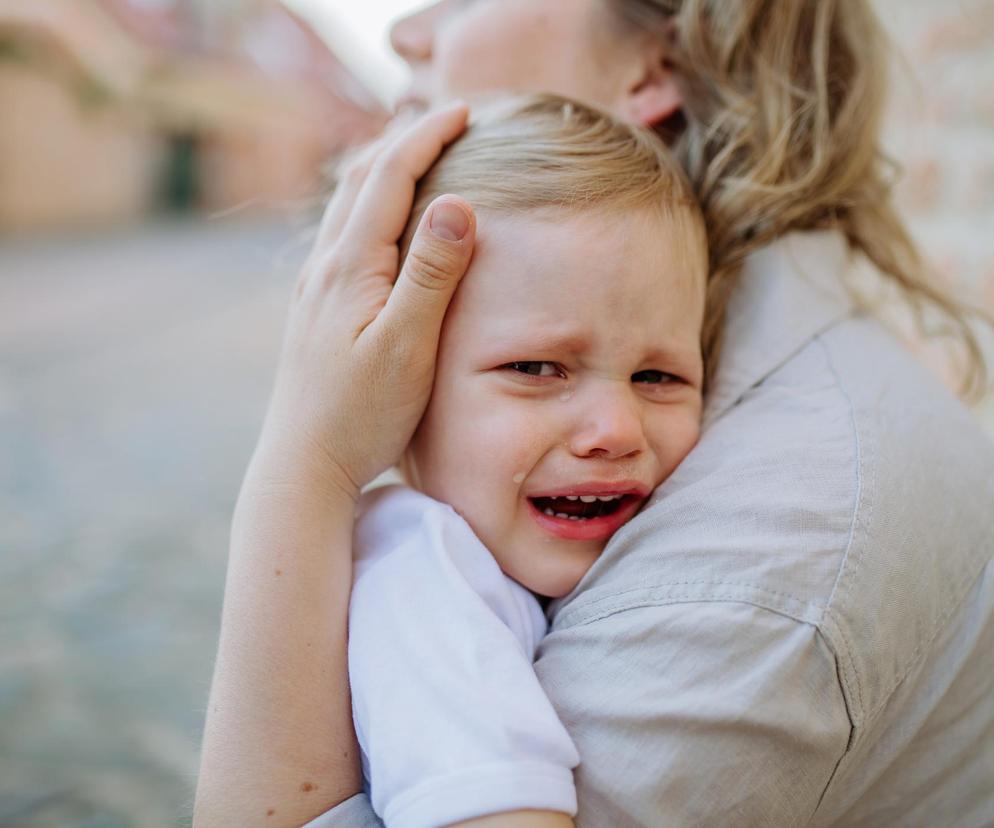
(112, 109)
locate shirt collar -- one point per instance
(788, 293)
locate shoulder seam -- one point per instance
(853, 551)
(689, 598)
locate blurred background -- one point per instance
(161, 170)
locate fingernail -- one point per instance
(449, 222)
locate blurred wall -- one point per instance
(941, 131)
(63, 161)
(114, 109)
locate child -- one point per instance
(546, 432)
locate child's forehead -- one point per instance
(541, 256)
(578, 270)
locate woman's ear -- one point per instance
(653, 92)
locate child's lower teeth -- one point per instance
(562, 515)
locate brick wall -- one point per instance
(941, 129)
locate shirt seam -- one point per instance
(819, 633)
(853, 551)
(688, 598)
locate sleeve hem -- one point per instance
(354, 812)
(480, 791)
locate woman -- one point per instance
(799, 629)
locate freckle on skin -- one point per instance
(307, 787)
(279, 571)
(270, 812)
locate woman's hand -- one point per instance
(354, 378)
(359, 352)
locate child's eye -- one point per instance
(654, 377)
(535, 369)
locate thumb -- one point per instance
(438, 257)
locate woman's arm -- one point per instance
(278, 743)
(354, 378)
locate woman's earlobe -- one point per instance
(656, 99)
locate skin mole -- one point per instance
(279, 571)
(307, 787)
(270, 812)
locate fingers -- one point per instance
(350, 180)
(439, 255)
(384, 200)
(352, 175)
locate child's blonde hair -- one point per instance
(539, 152)
(544, 151)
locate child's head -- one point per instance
(569, 372)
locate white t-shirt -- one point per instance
(450, 716)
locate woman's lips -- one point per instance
(595, 528)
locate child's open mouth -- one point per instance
(584, 517)
(579, 507)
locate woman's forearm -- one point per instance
(354, 378)
(279, 746)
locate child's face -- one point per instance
(569, 368)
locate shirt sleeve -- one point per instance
(450, 716)
(697, 714)
(355, 812)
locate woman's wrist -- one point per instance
(289, 463)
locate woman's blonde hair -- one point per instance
(544, 151)
(780, 131)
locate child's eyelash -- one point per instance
(655, 377)
(535, 368)
(525, 367)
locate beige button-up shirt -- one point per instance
(799, 629)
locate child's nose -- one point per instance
(609, 425)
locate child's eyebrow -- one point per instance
(538, 340)
(521, 342)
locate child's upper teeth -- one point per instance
(587, 498)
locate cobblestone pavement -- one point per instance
(133, 379)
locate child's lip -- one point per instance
(605, 489)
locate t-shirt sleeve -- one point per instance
(686, 713)
(355, 812)
(450, 716)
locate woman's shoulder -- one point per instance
(848, 491)
(836, 483)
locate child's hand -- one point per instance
(359, 351)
